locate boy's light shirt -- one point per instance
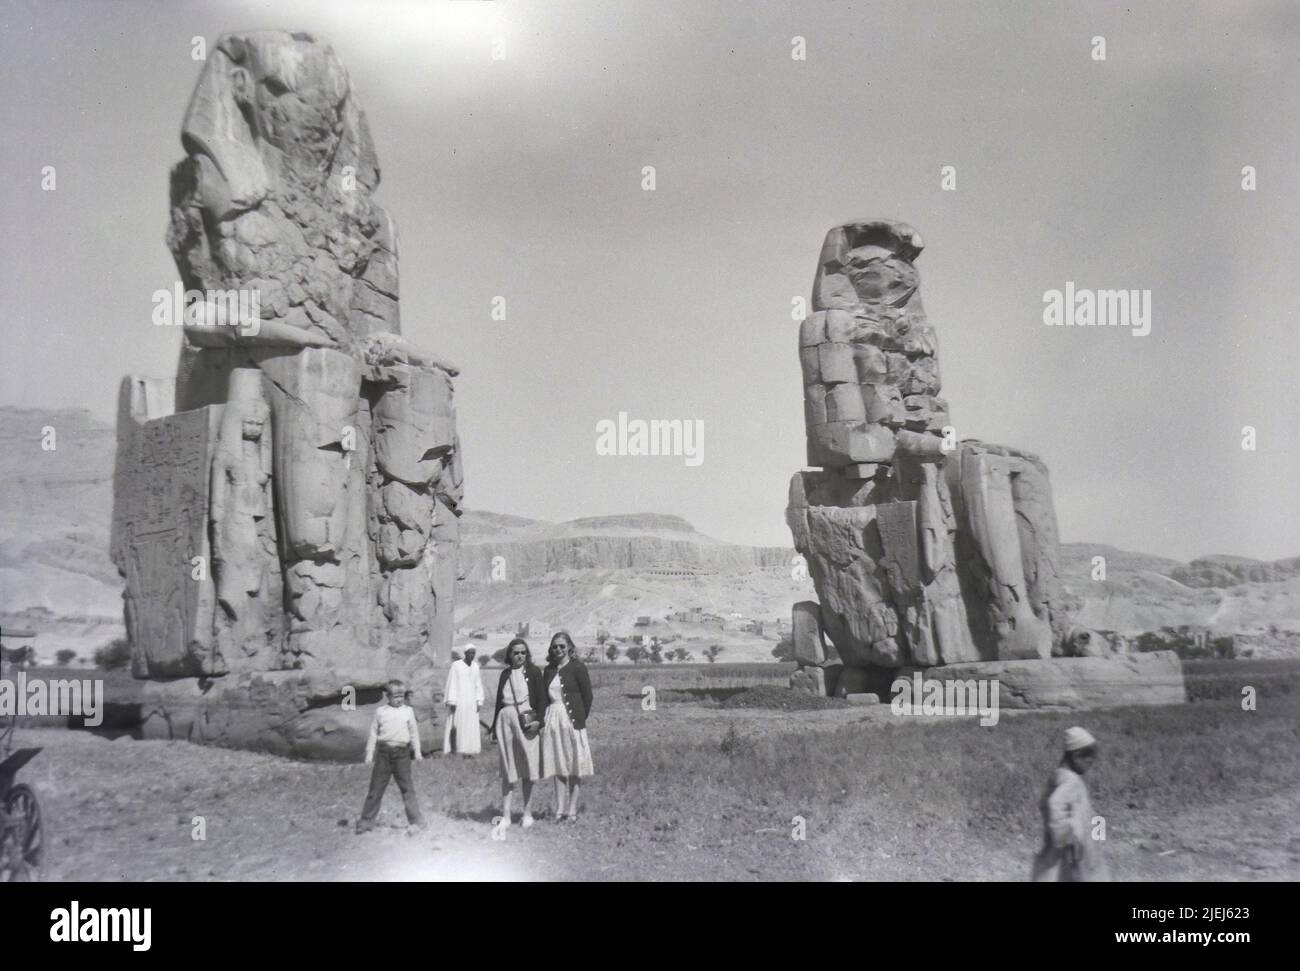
(394, 726)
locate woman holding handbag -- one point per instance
(516, 726)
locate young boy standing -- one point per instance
(394, 738)
(1071, 851)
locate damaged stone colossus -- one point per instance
(289, 501)
(924, 551)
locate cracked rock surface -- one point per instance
(925, 550)
(289, 501)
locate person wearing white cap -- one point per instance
(1070, 851)
(463, 697)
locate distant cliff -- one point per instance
(587, 574)
(56, 504)
(1229, 571)
(654, 543)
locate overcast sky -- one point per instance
(522, 178)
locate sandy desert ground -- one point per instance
(698, 790)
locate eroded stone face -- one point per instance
(332, 477)
(922, 553)
(275, 195)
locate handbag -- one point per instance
(528, 719)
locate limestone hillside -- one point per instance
(584, 574)
(56, 507)
(607, 573)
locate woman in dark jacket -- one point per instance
(516, 726)
(566, 753)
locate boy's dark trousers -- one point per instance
(395, 761)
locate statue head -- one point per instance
(270, 105)
(246, 413)
(275, 191)
(867, 262)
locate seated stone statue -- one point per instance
(335, 479)
(924, 550)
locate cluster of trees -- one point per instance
(25, 657)
(636, 653)
(117, 654)
(654, 654)
(113, 655)
(784, 650)
(20, 657)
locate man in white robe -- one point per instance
(464, 697)
(447, 722)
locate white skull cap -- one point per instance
(1078, 738)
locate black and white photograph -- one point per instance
(651, 442)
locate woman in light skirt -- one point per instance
(516, 724)
(566, 753)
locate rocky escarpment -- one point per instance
(1229, 571)
(654, 543)
(627, 576)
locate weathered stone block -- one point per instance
(1078, 682)
(836, 363)
(810, 647)
(883, 403)
(810, 681)
(844, 404)
(864, 698)
(812, 330)
(841, 326)
(810, 363)
(161, 529)
(414, 424)
(871, 364)
(814, 403)
(283, 713)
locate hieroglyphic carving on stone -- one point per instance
(902, 561)
(161, 507)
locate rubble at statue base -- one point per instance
(927, 554)
(285, 509)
